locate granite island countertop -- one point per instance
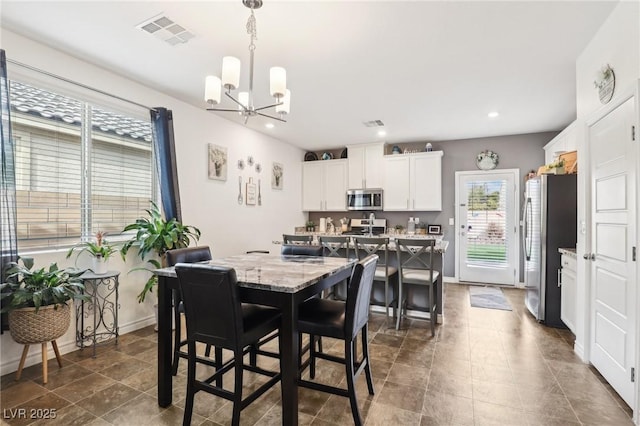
(440, 246)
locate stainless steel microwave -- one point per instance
(364, 199)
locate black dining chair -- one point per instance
(415, 260)
(342, 320)
(215, 316)
(301, 250)
(185, 255)
(297, 239)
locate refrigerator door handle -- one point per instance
(525, 232)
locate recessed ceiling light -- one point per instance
(269, 125)
(493, 114)
(382, 133)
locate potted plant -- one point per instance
(399, 229)
(556, 168)
(36, 301)
(155, 236)
(100, 250)
(311, 226)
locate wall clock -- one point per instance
(487, 160)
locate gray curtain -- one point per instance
(8, 231)
(165, 151)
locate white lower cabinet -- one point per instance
(568, 290)
(324, 185)
(413, 182)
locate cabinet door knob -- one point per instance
(586, 256)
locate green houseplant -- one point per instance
(36, 300)
(100, 250)
(155, 236)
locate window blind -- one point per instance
(52, 153)
(487, 223)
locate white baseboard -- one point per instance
(35, 351)
(578, 349)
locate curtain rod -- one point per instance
(66, 80)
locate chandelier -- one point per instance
(231, 80)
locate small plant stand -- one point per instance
(102, 310)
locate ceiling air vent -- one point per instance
(166, 30)
(374, 123)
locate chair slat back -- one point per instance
(211, 304)
(297, 239)
(420, 253)
(333, 245)
(359, 294)
(365, 246)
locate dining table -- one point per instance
(272, 280)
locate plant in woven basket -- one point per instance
(36, 300)
(155, 235)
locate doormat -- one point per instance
(489, 298)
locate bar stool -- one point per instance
(366, 246)
(342, 320)
(332, 246)
(417, 271)
(216, 317)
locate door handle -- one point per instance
(559, 277)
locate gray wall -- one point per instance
(522, 152)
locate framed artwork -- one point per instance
(251, 193)
(217, 162)
(434, 230)
(277, 175)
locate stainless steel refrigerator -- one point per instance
(549, 222)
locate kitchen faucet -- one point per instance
(372, 218)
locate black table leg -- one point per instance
(164, 343)
(289, 360)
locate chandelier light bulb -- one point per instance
(230, 72)
(286, 103)
(278, 79)
(212, 90)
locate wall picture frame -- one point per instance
(434, 229)
(218, 161)
(277, 176)
(251, 193)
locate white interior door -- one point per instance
(487, 220)
(613, 238)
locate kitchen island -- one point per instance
(440, 248)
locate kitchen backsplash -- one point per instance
(393, 218)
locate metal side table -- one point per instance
(97, 321)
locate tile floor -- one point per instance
(485, 367)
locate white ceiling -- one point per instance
(428, 70)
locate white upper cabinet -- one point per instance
(413, 182)
(565, 141)
(365, 165)
(324, 185)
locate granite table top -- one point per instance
(286, 274)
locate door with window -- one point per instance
(487, 232)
